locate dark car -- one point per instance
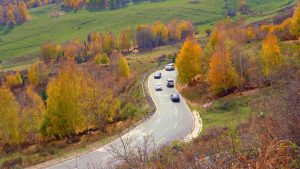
(170, 83)
(175, 98)
(158, 87)
(157, 75)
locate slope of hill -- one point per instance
(20, 45)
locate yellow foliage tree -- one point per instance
(123, 67)
(14, 80)
(109, 43)
(33, 74)
(64, 115)
(101, 59)
(9, 121)
(31, 114)
(271, 53)
(295, 21)
(188, 61)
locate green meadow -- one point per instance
(19, 46)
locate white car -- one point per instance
(170, 67)
(171, 64)
(158, 87)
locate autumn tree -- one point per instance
(188, 62)
(144, 37)
(9, 121)
(125, 40)
(160, 33)
(123, 67)
(31, 115)
(14, 80)
(64, 116)
(271, 54)
(23, 11)
(101, 105)
(11, 20)
(74, 4)
(222, 75)
(184, 29)
(33, 74)
(109, 43)
(95, 43)
(295, 21)
(72, 49)
(51, 52)
(243, 7)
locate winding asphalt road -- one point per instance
(171, 121)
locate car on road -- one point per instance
(158, 87)
(170, 67)
(157, 75)
(175, 97)
(170, 83)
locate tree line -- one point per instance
(13, 13)
(97, 44)
(225, 64)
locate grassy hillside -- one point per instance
(20, 45)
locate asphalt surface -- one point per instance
(170, 122)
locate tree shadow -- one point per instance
(5, 29)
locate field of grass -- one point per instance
(226, 112)
(20, 45)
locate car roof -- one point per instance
(175, 95)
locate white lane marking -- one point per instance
(159, 141)
(175, 126)
(176, 112)
(151, 131)
(102, 150)
(108, 156)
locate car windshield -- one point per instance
(170, 80)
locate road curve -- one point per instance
(171, 121)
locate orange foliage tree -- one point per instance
(222, 75)
(271, 53)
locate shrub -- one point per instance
(128, 111)
(14, 80)
(101, 59)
